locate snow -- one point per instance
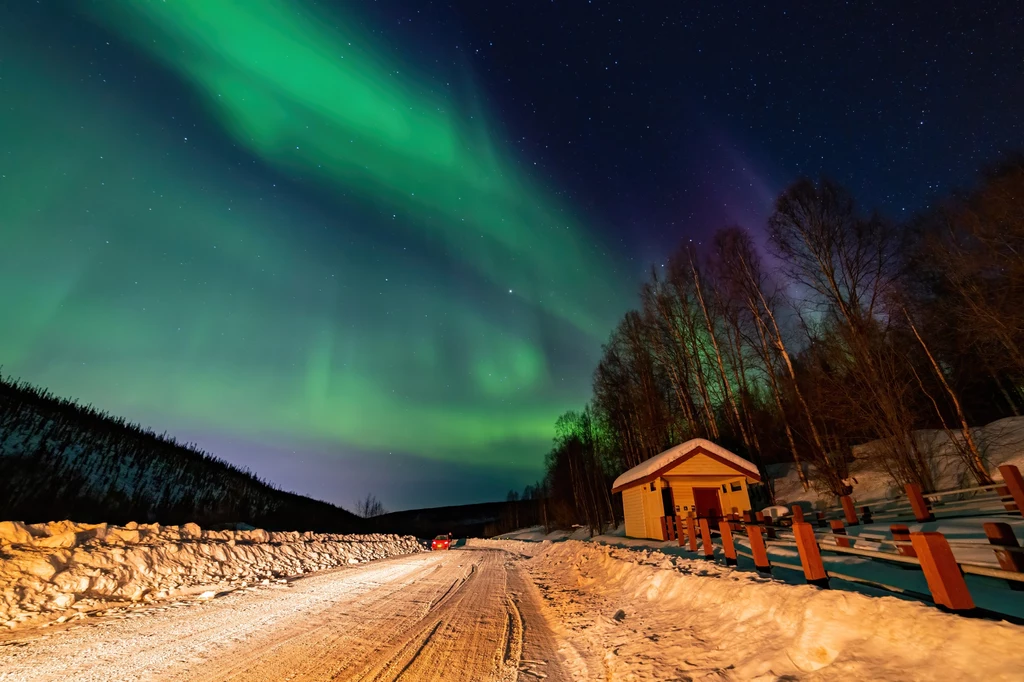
(537, 534)
(64, 569)
(646, 615)
(966, 535)
(1001, 442)
(663, 459)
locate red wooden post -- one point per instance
(691, 531)
(758, 549)
(1015, 482)
(679, 527)
(820, 516)
(766, 523)
(747, 518)
(1001, 535)
(810, 555)
(1006, 498)
(943, 574)
(705, 538)
(664, 528)
(725, 528)
(865, 516)
(849, 511)
(798, 514)
(901, 534)
(922, 512)
(839, 531)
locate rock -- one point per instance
(131, 525)
(619, 616)
(191, 530)
(14, 533)
(209, 594)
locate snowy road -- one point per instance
(467, 614)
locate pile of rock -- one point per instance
(53, 570)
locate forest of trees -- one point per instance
(829, 328)
(63, 460)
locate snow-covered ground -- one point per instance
(629, 614)
(966, 535)
(63, 570)
(1001, 442)
(505, 610)
(467, 615)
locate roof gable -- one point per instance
(700, 462)
(673, 457)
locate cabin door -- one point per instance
(668, 502)
(706, 502)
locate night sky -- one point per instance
(376, 246)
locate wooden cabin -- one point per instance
(696, 476)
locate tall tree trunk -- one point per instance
(718, 356)
(976, 463)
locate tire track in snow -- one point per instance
(458, 615)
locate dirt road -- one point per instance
(467, 614)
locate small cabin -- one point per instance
(696, 476)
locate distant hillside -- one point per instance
(59, 459)
(485, 519)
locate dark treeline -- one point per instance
(828, 328)
(60, 459)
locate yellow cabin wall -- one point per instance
(653, 510)
(682, 490)
(633, 510)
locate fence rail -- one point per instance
(931, 552)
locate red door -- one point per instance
(706, 501)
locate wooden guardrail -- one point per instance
(1006, 497)
(929, 551)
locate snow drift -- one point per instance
(1001, 442)
(648, 616)
(63, 569)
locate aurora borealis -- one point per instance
(376, 247)
(360, 269)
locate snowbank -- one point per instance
(649, 616)
(61, 569)
(1001, 442)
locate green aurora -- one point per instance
(364, 267)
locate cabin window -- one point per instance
(724, 489)
(652, 486)
(737, 487)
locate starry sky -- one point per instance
(376, 246)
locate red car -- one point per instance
(441, 542)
